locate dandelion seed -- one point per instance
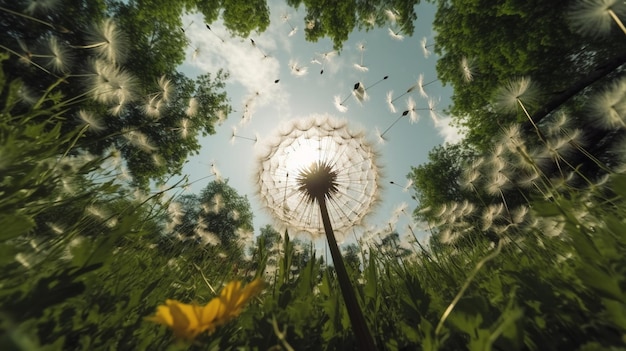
(41, 6)
(296, 69)
(389, 99)
(595, 17)
(467, 69)
(395, 35)
(184, 128)
(166, 88)
(411, 107)
(380, 137)
(152, 108)
(93, 122)
(59, 57)
(425, 47)
(109, 42)
(192, 107)
(138, 139)
(293, 32)
(432, 111)
(216, 172)
(608, 108)
(360, 67)
(516, 93)
(339, 104)
(360, 92)
(392, 15)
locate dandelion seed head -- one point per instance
(319, 144)
(467, 69)
(593, 17)
(515, 92)
(108, 41)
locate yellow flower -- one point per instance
(189, 320)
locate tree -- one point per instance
(485, 44)
(437, 182)
(336, 20)
(127, 96)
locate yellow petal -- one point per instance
(212, 315)
(162, 316)
(185, 321)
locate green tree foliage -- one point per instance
(437, 181)
(217, 217)
(119, 65)
(503, 40)
(335, 20)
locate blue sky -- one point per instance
(253, 70)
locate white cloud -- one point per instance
(450, 133)
(252, 67)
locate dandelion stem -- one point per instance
(617, 20)
(362, 333)
(539, 134)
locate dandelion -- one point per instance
(594, 17)
(319, 162)
(190, 320)
(109, 42)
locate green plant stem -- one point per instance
(363, 336)
(468, 281)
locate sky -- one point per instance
(253, 70)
